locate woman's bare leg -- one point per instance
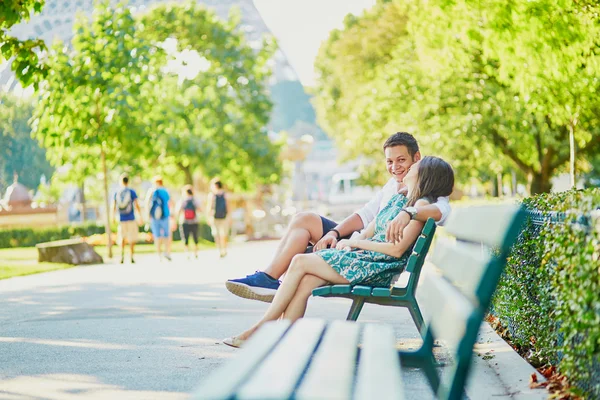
(297, 306)
(302, 265)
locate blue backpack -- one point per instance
(157, 210)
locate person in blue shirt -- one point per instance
(124, 202)
(158, 206)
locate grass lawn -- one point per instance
(23, 260)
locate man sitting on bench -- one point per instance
(401, 151)
(367, 259)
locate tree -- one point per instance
(488, 86)
(214, 120)
(26, 63)
(19, 153)
(89, 103)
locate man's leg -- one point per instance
(305, 228)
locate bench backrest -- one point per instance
(455, 298)
(419, 252)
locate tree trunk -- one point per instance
(82, 188)
(106, 204)
(539, 183)
(500, 185)
(187, 171)
(572, 153)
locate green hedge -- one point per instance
(549, 296)
(28, 237)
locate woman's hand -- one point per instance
(346, 244)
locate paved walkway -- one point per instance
(146, 331)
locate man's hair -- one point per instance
(403, 139)
(188, 189)
(218, 184)
(435, 178)
(125, 179)
(158, 179)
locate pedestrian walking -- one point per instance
(158, 205)
(217, 214)
(124, 201)
(187, 215)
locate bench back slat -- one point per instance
(455, 297)
(446, 309)
(226, 380)
(332, 368)
(417, 258)
(463, 264)
(277, 376)
(490, 225)
(379, 375)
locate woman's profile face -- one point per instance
(412, 174)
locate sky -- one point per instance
(300, 27)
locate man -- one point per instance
(124, 200)
(216, 212)
(402, 151)
(157, 204)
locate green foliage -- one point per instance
(548, 296)
(26, 63)
(26, 237)
(215, 121)
(488, 85)
(19, 153)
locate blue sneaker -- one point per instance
(258, 286)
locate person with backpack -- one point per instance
(188, 218)
(157, 204)
(216, 211)
(124, 201)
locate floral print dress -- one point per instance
(370, 267)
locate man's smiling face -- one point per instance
(398, 160)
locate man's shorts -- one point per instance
(127, 231)
(329, 225)
(160, 228)
(220, 228)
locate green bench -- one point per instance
(314, 359)
(394, 296)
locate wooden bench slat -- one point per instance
(444, 308)
(381, 292)
(341, 289)
(332, 368)
(322, 291)
(223, 383)
(277, 376)
(379, 375)
(464, 264)
(484, 224)
(360, 290)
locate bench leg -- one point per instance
(357, 305)
(416, 315)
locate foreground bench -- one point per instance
(394, 296)
(311, 359)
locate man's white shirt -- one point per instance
(372, 208)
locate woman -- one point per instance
(187, 215)
(368, 258)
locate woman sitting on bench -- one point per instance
(367, 259)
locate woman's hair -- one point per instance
(435, 178)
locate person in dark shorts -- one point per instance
(187, 216)
(401, 151)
